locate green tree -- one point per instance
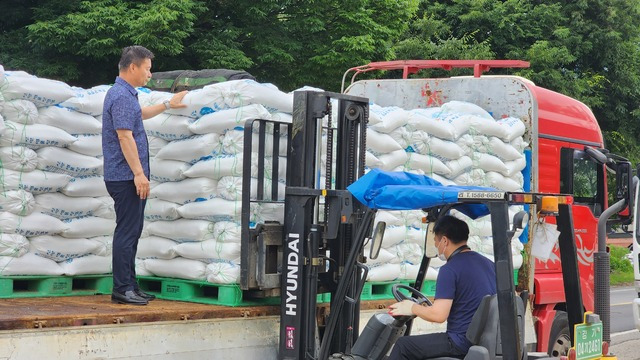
(293, 43)
(287, 42)
(80, 41)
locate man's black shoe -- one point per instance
(145, 295)
(129, 297)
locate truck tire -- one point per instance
(559, 336)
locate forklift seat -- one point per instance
(484, 330)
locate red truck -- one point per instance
(558, 130)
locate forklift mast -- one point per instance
(307, 254)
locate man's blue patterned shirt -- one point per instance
(122, 111)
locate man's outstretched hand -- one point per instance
(403, 308)
(176, 100)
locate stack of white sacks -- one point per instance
(55, 214)
(458, 143)
(192, 228)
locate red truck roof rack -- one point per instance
(413, 66)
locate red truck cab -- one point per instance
(566, 123)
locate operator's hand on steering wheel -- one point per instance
(402, 308)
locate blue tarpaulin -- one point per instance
(405, 191)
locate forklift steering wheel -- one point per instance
(419, 297)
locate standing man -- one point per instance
(462, 283)
(126, 166)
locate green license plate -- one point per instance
(588, 339)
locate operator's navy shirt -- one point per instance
(122, 111)
(466, 278)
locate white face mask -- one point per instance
(441, 256)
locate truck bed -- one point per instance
(34, 313)
(91, 327)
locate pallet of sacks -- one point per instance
(458, 143)
(56, 217)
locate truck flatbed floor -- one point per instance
(50, 312)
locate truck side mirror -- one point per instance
(376, 239)
(634, 189)
(625, 188)
(623, 181)
(635, 211)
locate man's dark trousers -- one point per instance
(418, 347)
(129, 222)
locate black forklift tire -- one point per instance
(559, 336)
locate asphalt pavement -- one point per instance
(625, 338)
(621, 311)
(626, 345)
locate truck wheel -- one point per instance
(559, 337)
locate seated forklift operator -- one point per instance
(462, 283)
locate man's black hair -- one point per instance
(134, 55)
(453, 228)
